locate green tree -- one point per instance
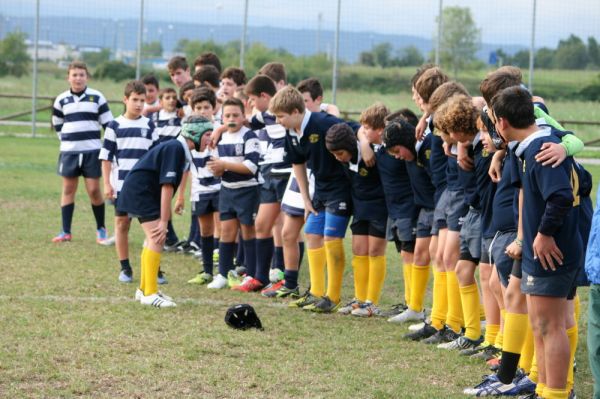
(593, 51)
(571, 54)
(366, 58)
(410, 56)
(544, 58)
(382, 54)
(460, 38)
(97, 57)
(14, 59)
(152, 49)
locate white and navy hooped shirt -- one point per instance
(240, 147)
(125, 142)
(78, 118)
(168, 125)
(203, 181)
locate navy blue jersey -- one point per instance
(368, 198)
(506, 199)
(419, 173)
(454, 184)
(396, 185)
(468, 181)
(539, 184)
(485, 187)
(437, 163)
(331, 180)
(162, 164)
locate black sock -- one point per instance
(226, 257)
(99, 215)
(194, 235)
(301, 246)
(250, 256)
(278, 259)
(172, 238)
(216, 242)
(291, 278)
(240, 258)
(207, 254)
(508, 367)
(67, 217)
(125, 266)
(264, 252)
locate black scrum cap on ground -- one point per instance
(242, 317)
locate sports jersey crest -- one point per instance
(143, 132)
(313, 138)
(363, 172)
(239, 149)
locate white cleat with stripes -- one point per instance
(157, 301)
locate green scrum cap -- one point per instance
(195, 128)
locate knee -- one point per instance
(289, 237)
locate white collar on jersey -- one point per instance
(305, 119)
(419, 143)
(544, 132)
(354, 166)
(476, 139)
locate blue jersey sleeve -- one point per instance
(170, 164)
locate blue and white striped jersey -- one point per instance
(272, 148)
(240, 147)
(77, 119)
(125, 142)
(292, 202)
(168, 125)
(203, 181)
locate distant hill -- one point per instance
(122, 34)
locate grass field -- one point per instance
(69, 329)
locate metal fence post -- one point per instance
(36, 37)
(138, 56)
(532, 48)
(244, 30)
(336, 54)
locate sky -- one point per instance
(504, 22)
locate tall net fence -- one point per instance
(371, 57)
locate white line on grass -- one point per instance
(122, 299)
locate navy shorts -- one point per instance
(206, 204)
(486, 256)
(503, 262)
(403, 232)
(372, 227)
(470, 237)
(560, 286)
(84, 164)
(456, 210)
(334, 207)
(273, 188)
(425, 223)
(239, 203)
(439, 214)
(118, 213)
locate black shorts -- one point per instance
(239, 203)
(517, 269)
(373, 228)
(334, 207)
(84, 164)
(560, 286)
(206, 204)
(273, 188)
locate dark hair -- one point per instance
(207, 74)
(274, 70)
(444, 92)
(177, 62)
(208, 58)
(501, 78)
(405, 114)
(235, 74)
(515, 105)
(203, 93)
(419, 72)
(430, 80)
(261, 84)
(341, 137)
(312, 86)
(135, 86)
(150, 80)
(234, 102)
(165, 91)
(185, 87)
(400, 132)
(78, 65)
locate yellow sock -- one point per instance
(142, 273)
(454, 317)
(469, 297)
(515, 329)
(500, 336)
(316, 268)
(336, 261)
(533, 374)
(377, 269)
(527, 350)
(553, 393)
(151, 269)
(577, 308)
(407, 272)
(539, 389)
(418, 285)
(360, 265)
(572, 333)
(491, 331)
(439, 308)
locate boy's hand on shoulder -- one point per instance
(366, 152)
(216, 166)
(547, 252)
(215, 136)
(495, 170)
(551, 154)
